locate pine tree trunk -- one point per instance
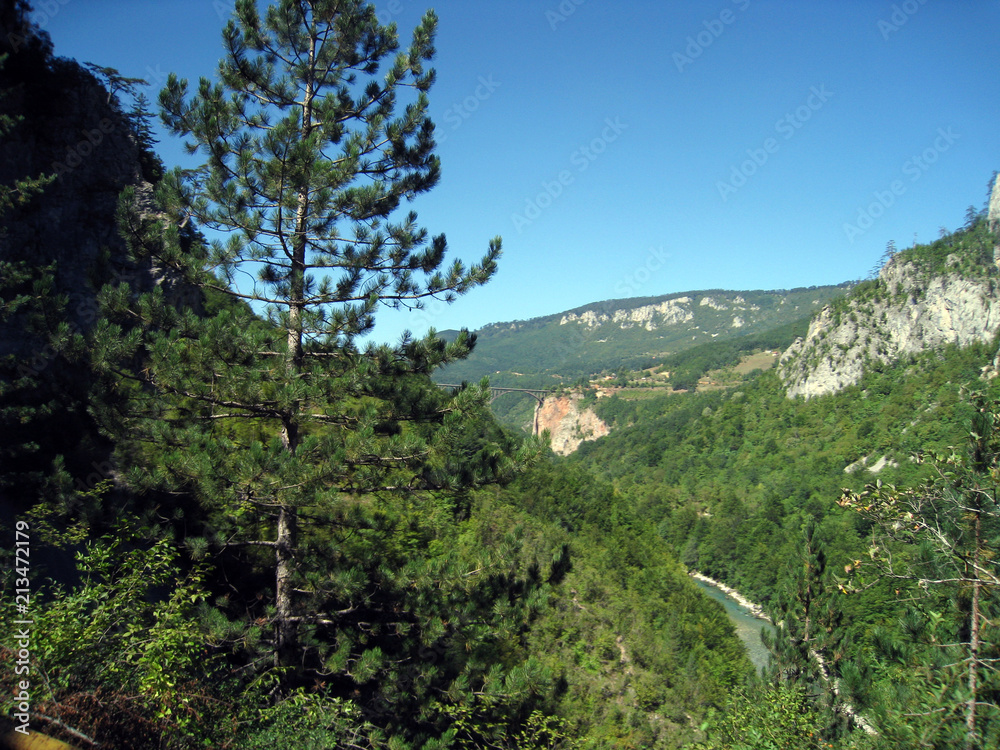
(971, 741)
(286, 635)
(286, 641)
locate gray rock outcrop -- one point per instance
(911, 315)
(67, 125)
(993, 212)
(67, 128)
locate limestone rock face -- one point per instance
(672, 312)
(993, 212)
(650, 317)
(63, 123)
(66, 124)
(914, 315)
(567, 423)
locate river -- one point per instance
(747, 626)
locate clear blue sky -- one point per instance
(639, 148)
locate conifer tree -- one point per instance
(936, 543)
(794, 613)
(806, 646)
(329, 459)
(886, 257)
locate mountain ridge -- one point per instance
(621, 303)
(612, 335)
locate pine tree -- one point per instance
(886, 257)
(936, 542)
(22, 190)
(331, 466)
(972, 216)
(807, 644)
(793, 613)
(120, 89)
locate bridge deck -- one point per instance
(495, 391)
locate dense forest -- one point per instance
(231, 522)
(856, 518)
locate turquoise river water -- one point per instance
(747, 626)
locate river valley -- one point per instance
(747, 625)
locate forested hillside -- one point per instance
(233, 524)
(681, 336)
(844, 514)
(623, 335)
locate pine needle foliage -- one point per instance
(330, 477)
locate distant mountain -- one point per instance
(629, 334)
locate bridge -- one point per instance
(496, 391)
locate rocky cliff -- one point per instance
(650, 317)
(567, 422)
(926, 297)
(615, 336)
(59, 120)
(993, 213)
(676, 311)
(66, 124)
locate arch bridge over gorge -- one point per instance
(497, 391)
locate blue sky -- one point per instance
(627, 149)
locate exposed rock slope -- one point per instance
(993, 216)
(68, 125)
(58, 120)
(567, 423)
(670, 312)
(69, 129)
(927, 297)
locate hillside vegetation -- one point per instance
(234, 531)
(768, 494)
(681, 336)
(631, 334)
(235, 527)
